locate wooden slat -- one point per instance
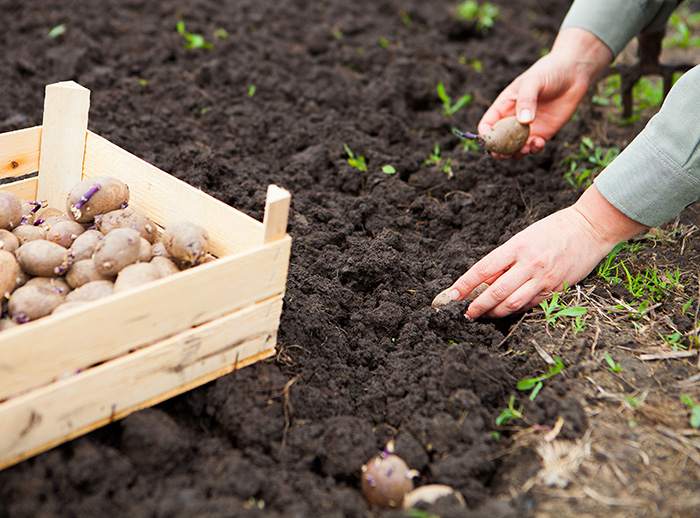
(19, 152)
(276, 213)
(164, 198)
(64, 127)
(24, 189)
(45, 417)
(39, 352)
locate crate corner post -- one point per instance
(63, 134)
(276, 215)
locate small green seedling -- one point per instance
(57, 31)
(388, 169)
(448, 108)
(612, 366)
(444, 164)
(509, 413)
(589, 161)
(357, 161)
(194, 41)
(536, 384)
(694, 411)
(681, 23)
(251, 90)
(484, 15)
(553, 310)
(221, 33)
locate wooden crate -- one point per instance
(66, 374)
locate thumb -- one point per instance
(526, 103)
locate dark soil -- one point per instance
(362, 356)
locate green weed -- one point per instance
(448, 108)
(357, 161)
(553, 310)
(388, 169)
(536, 384)
(588, 162)
(194, 41)
(444, 164)
(612, 366)
(681, 24)
(57, 31)
(509, 413)
(485, 15)
(694, 411)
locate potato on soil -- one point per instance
(127, 218)
(186, 242)
(26, 233)
(41, 258)
(84, 271)
(506, 137)
(90, 291)
(97, 195)
(9, 272)
(118, 249)
(164, 265)
(10, 210)
(32, 302)
(386, 479)
(84, 245)
(64, 232)
(135, 275)
(8, 241)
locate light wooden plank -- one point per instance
(45, 417)
(19, 152)
(64, 128)
(277, 206)
(39, 352)
(164, 198)
(24, 189)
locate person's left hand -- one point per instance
(561, 248)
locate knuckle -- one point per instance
(499, 291)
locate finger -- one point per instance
(503, 106)
(526, 103)
(491, 267)
(537, 145)
(522, 299)
(503, 288)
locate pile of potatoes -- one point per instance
(51, 260)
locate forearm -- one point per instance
(616, 22)
(658, 174)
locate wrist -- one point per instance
(607, 224)
(589, 55)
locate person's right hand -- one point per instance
(547, 94)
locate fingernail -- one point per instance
(454, 295)
(525, 116)
(469, 319)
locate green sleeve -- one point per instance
(658, 174)
(616, 22)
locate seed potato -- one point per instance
(64, 232)
(506, 137)
(26, 233)
(127, 218)
(8, 241)
(386, 479)
(135, 275)
(10, 210)
(84, 245)
(90, 291)
(9, 272)
(186, 242)
(32, 302)
(97, 195)
(84, 271)
(164, 265)
(41, 258)
(118, 249)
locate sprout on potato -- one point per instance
(505, 137)
(386, 479)
(97, 195)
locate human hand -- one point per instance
(547, 94)
(560, 249)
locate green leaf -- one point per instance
(388, 169)
(57, 31)
(572, 312)
(695, 417)
(687, 401)
(536, 390)
(528, 383)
